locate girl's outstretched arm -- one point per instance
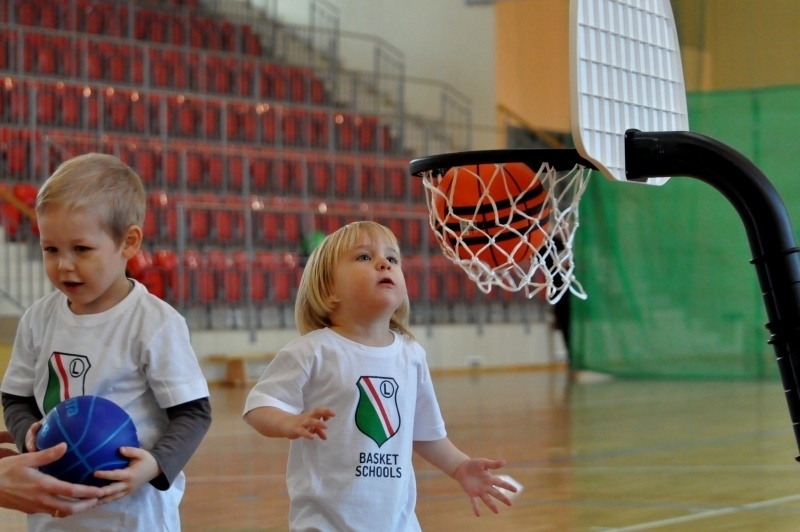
(276, 423)
(473, 474)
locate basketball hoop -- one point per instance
(508, 217)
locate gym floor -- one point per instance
(592, 454)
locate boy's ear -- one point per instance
(132, 242)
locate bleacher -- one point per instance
(242, 154)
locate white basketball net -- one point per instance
(533, 263)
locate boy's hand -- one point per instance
(479, 483)
(142, 469)
(309, 424)
(30, 437)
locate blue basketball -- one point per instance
(94, 429)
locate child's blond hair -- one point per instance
(313, 306)
(98, 183)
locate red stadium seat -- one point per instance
(385, 138)
(251, 42)
(228, 223)
(48, 16)
(26, 14)
(372, 182)
(258, 282)
(45, 104)
(95, 67)
(216, 172)
(17, 155)
(260, 172)
(282, 177)
(318, 132)
(166, 262)
(345, 132)
(198, 217)
(343, 180)
(205, 273)
(187, 118)
(235, 173)
(211, 118)
(451, 280)
(248, 122)
(396, 177)
(384, 215)
(139, 264)
(292, 126)
(283, 275)
(266, 117)
(317, 91)
(18, 97)
(160, 203)
(195, 169)
(177, 30)
(26, 193)
(47, 60)
(95, 21)
(171, 168)
(142, 107)
(119, 105)
(297, 83)
(232, 116)
(150, 226)
(230, 276)
(70, 107)
(245, 78)
(272, 82)
(144, 163)
(319, 178)
(367, 133)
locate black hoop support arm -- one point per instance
(769, 230)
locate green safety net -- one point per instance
(671, 291)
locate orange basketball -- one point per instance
(476, 205)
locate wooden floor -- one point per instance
(592, 456)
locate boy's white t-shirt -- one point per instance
(361, 477)
(137, 354)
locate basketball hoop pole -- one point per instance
(769, 230)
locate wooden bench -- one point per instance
(236, 365)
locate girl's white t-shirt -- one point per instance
(361, 477)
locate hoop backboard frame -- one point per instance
(625, 73)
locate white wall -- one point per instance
(448, 346)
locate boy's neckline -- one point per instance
(132, 287)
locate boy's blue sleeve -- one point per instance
(19, 414)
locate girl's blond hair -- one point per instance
(313, 306)
(99, 183)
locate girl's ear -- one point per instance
(132, 242)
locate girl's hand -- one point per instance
(479, 483)
(309, 424)
(142, 469)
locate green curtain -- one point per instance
(671, 291)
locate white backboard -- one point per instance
(625, 73)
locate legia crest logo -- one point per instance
(377, 415)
